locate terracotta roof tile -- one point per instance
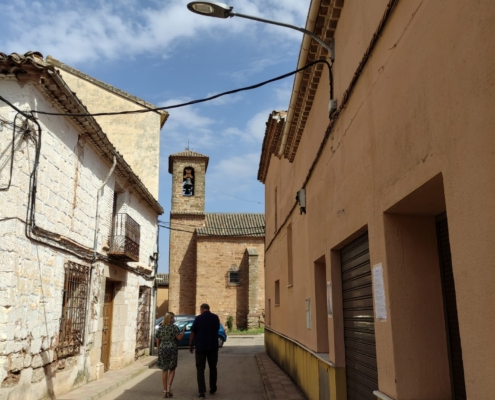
(233, 224)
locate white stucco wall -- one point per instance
(32, 274)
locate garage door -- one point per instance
(452, 323)
(359, 325)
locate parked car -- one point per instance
(179, 317)
(222, 335)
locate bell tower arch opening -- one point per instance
(188, 181)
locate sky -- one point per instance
(161, 52)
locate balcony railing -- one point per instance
(124, 242)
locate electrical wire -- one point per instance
(237, 235)
(2, 189)
(183, 104)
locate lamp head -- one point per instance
(210, 9)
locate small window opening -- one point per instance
(188, 182)
(277, 292)
(234, 276)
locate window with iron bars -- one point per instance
(75, 300)
(143, 318)
(233, 276)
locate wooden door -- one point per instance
(106, 338)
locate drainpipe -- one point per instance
(303, 57)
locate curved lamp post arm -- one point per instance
(305, 31)
(220, 10)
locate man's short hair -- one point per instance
(204, 306)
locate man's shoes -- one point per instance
(201, 395)
(213, 391)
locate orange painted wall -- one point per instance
(421, 113)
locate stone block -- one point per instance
(100, 367)
(16, 362)
(47, 356)
(37, 361)
(35, 347)
(3, 374)
(21, 334)
(45, 344)
(51, 369)
(38, 375)
(27, 360)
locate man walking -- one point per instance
(204, 335)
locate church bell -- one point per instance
(188, 186)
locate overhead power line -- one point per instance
(176, 105)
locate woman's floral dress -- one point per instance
(168, 352)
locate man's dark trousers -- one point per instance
(201, 358)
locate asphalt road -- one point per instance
(238, 376)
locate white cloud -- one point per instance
(254, 130)
(187, 117)
(81, 31)
(227, 99)
(240, 171)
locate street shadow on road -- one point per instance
(238, 377)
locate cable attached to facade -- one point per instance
(187, 103)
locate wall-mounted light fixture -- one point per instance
(301, 199)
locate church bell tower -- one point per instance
(188, 170)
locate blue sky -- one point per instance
(164, 54)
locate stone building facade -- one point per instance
(216, 258)
(78, 248)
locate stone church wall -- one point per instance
(215, 256)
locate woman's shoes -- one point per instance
(165, 394)
(170, 394)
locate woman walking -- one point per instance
(167, 337)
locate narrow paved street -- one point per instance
(238, 375)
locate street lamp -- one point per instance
(221, 10)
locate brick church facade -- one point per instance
(215, 258)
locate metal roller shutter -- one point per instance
(359, 322)
(450, 304)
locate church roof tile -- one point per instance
(233, 224)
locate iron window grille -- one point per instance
(125, 239)
(233, 276)
(75, 300)
(143, 318)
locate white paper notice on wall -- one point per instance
(329, 299)
(379, 293)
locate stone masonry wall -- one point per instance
(137, 136)
(184, 204)
(182, 266)
(215, 257)
(32, 274)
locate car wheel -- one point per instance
(220, 342)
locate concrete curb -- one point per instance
(115, 385)
(269, 393)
